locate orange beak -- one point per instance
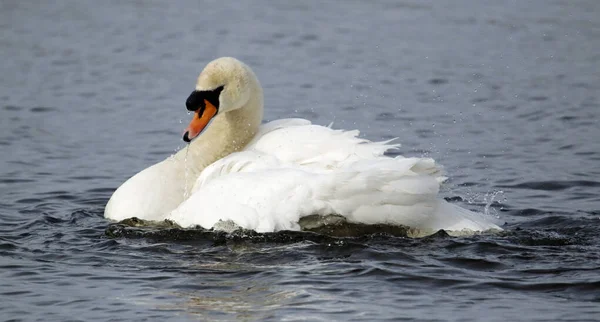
(199, 122)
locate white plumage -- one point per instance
(295, 169)
(284, 170)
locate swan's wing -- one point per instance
(258, 191)
(299, 142)
(295, 169)
(279, 124)
(264, 200)
(245, 161)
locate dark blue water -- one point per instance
(505, 94)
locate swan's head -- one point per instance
(223, 86)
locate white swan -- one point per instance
(267, 177)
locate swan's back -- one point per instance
(294, 169)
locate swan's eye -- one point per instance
(196, 100)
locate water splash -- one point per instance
(488, 198)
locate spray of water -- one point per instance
(489, 198)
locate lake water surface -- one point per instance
(504, 94)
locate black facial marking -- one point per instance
(195, 101)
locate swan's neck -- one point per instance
(228, 132)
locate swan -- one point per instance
(266, 177)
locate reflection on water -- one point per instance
(243, 303)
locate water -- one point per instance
(504, 94)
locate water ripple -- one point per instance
(95, 91)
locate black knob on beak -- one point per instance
(195, 101)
